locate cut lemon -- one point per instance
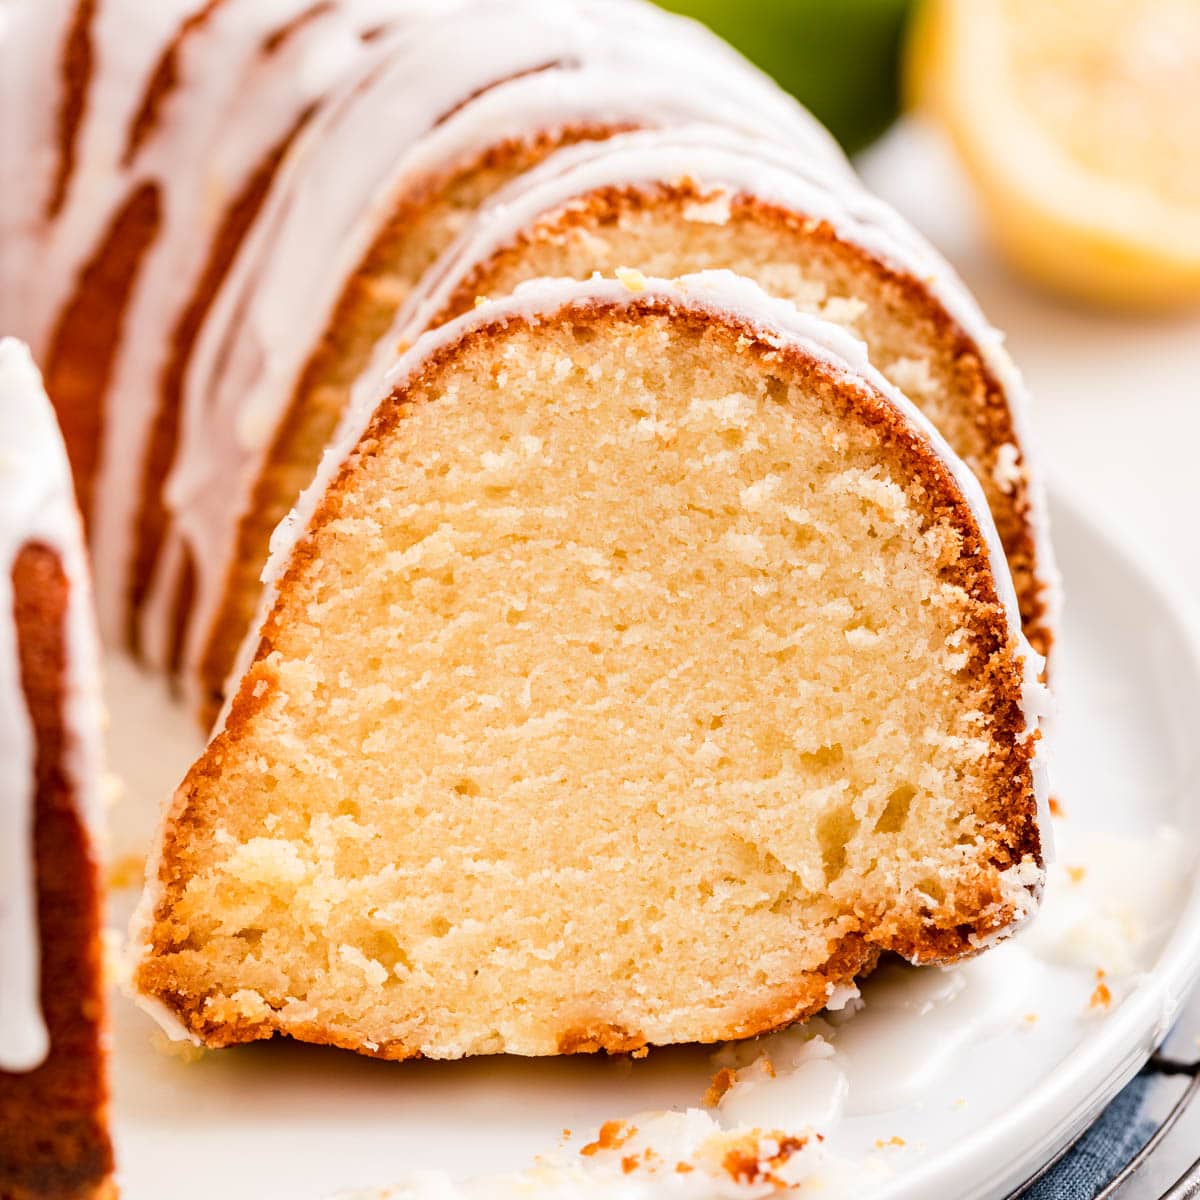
(1080, 123)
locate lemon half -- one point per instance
(1080, 123)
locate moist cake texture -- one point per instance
(638, 677)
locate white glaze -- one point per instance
(30, 44)
(37, 505)
(124, 53)
(330, 200)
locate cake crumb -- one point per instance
(684, 1168)
(1007, 472)
(1076, 874)
(721, 1082)
(612, 1136)
(757, 1156)
(633, 279)
(1101, 996)
(1056, 807)
(715, 210)
(894, 1140)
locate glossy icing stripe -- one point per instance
(37, 506)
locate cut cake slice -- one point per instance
(635, 672)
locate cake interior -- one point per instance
(636, 685)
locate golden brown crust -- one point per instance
(802, 237)
(949, 931)
(54, 1141)
(87, 333)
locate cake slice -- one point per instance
(672, 201)
(54, 1141)
(638, 670)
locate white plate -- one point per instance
(980, 1089)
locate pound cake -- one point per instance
(211, 233)
(296, 323)
(635, 671)
(54, 1141)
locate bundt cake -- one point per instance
(274, 369)
(54, 1143)
(204, 298)
(637, 670)
(636, 664)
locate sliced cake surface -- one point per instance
(639, 669)
(54, 1141)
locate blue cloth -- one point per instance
(1124, 1127)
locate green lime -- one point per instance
(840, 58)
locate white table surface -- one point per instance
(1117, 396)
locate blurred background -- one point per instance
(1051, 149)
